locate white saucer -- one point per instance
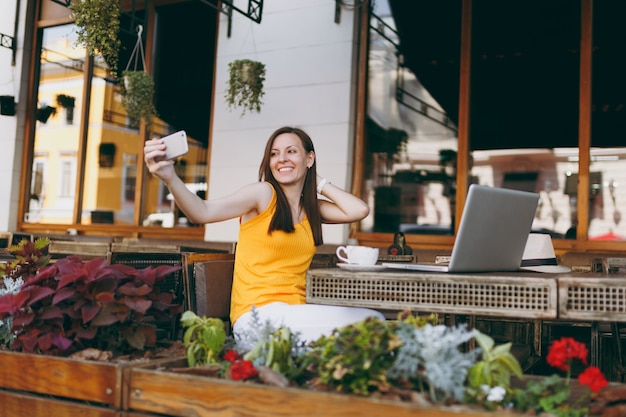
(361, 268)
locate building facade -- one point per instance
(405, 115)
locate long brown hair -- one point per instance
(283, 220)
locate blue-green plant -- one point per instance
(430, 357)
(269, 345)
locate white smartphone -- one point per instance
(176, 145)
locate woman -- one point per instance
(280, 220)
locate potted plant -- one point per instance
(138, 85)
(245, 85)
(138, 95)
(98, 25)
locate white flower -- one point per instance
(496, 394)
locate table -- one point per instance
(515, 295)
(597, 298)
(587, 297)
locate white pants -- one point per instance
(311, 321)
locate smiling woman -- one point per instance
(281, 220)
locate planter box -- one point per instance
(16, 404)
(96, 382)
(172, 394)
(100, 383)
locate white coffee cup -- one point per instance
(358, 255)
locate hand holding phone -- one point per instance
(176, 145)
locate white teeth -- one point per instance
(285, 169)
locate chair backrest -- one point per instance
(17, 237)
(85, 250)
(174, 283)
(208, 287)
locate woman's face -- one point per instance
(289, 161)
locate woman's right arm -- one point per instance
(251, 198)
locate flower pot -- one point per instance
(247, 73)
(44, 113)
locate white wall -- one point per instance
(10, 145)
(308, 59)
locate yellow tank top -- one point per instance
(270, 268)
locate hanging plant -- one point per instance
(98, 25)
(138, 86)
(245, 85)
(138, 95)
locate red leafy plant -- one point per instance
(73, 305)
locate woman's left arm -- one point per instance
(339, 206)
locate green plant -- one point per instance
(493, 371)
(73, 305)
(98, 25)
(245, 85)
(138, 95)
(204, 339)
(354, 358)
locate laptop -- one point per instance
(492, 235)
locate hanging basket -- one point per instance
(245, 85)
(138, 86)
(138, 95)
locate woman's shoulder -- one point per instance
(262, 192)
(259, 187)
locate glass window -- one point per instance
(410, 130)
(183, 53)
(56, 141)
(607, 198)
(524, 103)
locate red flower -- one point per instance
(242, 369)
(593, 377)
(230, 356)
(564, 350)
